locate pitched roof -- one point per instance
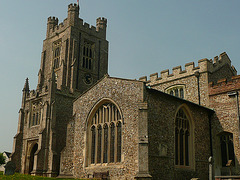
(7, 154)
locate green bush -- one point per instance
(2, 159)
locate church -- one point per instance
(80, 122)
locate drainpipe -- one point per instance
(197, 75)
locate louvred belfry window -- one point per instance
(105, 135)
(88, 55)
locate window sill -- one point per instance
(180, 167)
(105, 165)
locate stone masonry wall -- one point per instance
(126, 94)
(226, 119)
(209, 70)
(161, 114)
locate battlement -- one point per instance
(81, 25)
(74, 20)
(101, 20)
(204, 65)
(73, 7)
(223, 85)
(52, 20)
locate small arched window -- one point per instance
(182, 139)
(105, 143)
(176, 90)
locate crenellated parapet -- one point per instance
(204, 65)
(73, 7)
(223, 86)
(73, 20)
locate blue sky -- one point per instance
(145, 36)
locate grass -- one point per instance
(28, 177)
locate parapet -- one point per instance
(53, 20)
(223, 86)
(204, 65)
(74, 20)
(73, 7)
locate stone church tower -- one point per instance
(74, 57)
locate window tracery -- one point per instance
(182, 139)
(36, 114)
(177, 90)
(105, 130)
(88, 54)
(56, 54)
(227, 148)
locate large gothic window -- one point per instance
(182, 139)
(105, 135)
(227, 150)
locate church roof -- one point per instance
(178, 98)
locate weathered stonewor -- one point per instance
(193, 80)
(177, 72)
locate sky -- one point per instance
(145, 36)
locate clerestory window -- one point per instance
(105, 135)
(177, 90)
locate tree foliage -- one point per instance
(2, 159)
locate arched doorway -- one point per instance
(31, 160)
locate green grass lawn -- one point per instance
(28, 177)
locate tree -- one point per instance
(2, 159)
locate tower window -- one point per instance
(36, 114)
(105, 142)
(56, 54)
(87, 60)
(56, 58)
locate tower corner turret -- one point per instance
(101, 24)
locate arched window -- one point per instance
(88, 50)
(105, 143)
(35, 114)
(176, 90)
(56, 59)
(182, 139)
(227, 148)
